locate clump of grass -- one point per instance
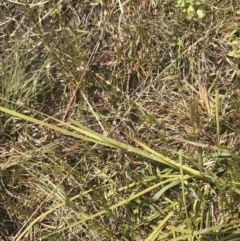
(119, 121)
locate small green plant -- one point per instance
(191, 8)
(235, 52)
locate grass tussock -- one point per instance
(119, 120)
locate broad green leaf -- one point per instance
(180, 3)
(234, 53)
(164, 189)
(201, 13)
(190, 12)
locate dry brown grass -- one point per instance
(133, 68)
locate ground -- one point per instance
(119, 120)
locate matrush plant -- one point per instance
(178, 174)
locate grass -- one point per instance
(119, 120)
